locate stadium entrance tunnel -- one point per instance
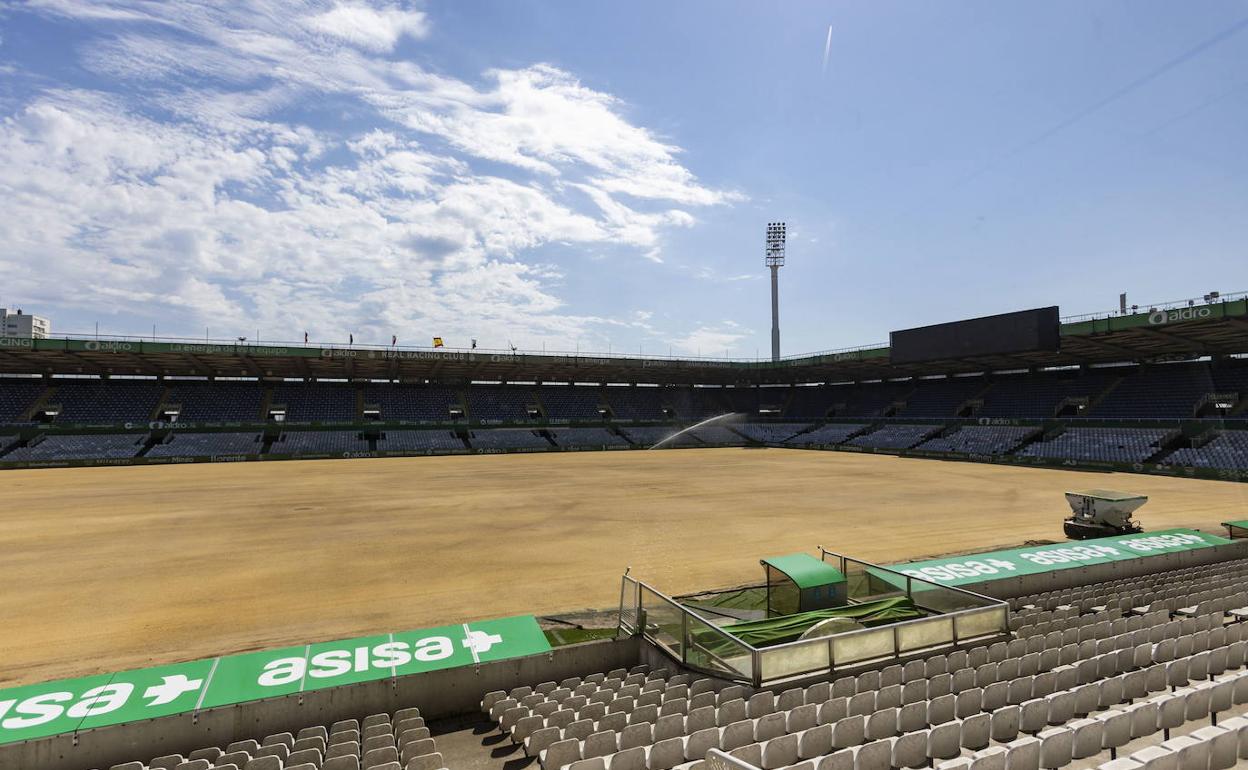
(812, 616)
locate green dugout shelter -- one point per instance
(799, 582)
(1236, 529)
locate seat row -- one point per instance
(947, 724)
(1172, 580)
(378, 743)
(1019, 675)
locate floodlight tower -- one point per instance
(775, 260)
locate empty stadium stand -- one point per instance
(1162, 390)
(305, 442)
(649, 435)
(1189, 414)
(380, 741)
(415, 403)
(941, 397)
(865, 400)
(1045, 395)
(507, 438)
(315, 402)
(770, 432)
(868, 400)
(80, 447)
(745, 400)
(1229, 449)
(718, 435)
(207, 445)
(17, 395)
(1134, 673)
(587, 437)
(488, 403)
(980, 439)
(894, 436)
(694, 404)
(808, 403)
(419, 441)
(1128, 445)
(214, 401)
(572, 402)
(101, 401)
(827, 435)
(633, 403)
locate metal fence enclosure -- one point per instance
(687, 636)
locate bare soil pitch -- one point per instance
(105, 569)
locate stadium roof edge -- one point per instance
(1213, 329)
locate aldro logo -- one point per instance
(1160, 317)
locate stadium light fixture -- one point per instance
(773, 256)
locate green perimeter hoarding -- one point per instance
(981, 567)
(68, 705)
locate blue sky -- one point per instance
(598, 175)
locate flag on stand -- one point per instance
(394, 340)
(437, 342)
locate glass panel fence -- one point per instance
(924, 634)
(795, 658)
(858, 646)
(663, 620)
(983, 622)
(713, 650)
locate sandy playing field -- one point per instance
(106, 569)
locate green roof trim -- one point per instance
(806, 570)
(1237, 524)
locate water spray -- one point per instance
(707, 421)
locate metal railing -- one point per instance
(245, 342)
(687, 636)
(1173, 304)
(718, 760)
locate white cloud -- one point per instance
(373, 29)
(190, 192)
(711, 340)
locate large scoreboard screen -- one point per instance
(1021, 332)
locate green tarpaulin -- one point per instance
(787, 628)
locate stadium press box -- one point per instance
(69, 705)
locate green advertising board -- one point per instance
(36, 711)
(996, 565)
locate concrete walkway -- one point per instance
(475, 743)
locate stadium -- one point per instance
(980, 512)
(870, 645)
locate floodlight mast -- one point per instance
(776, 236)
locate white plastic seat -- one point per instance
(814, 742)
(1056, 747)
(944, 741)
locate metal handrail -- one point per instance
(234, 341)
(1154, 306)
(863, 631)
(757, 675)
(991, 601)
(718, 760)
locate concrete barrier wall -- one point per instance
(1008, 588)
(438, 694)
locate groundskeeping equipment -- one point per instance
(1102, 513)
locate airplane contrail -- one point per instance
(827, 49)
